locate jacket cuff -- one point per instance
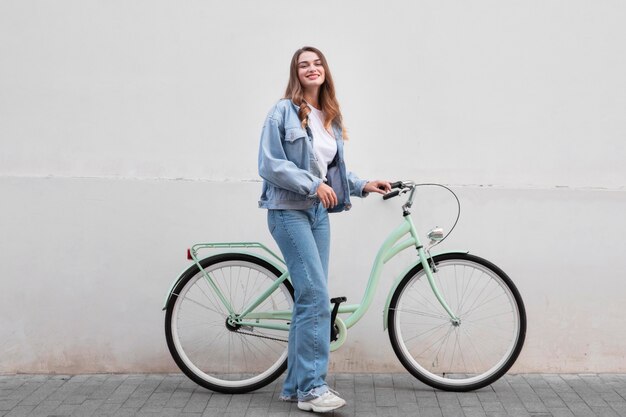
(360, 185)
(316, 185)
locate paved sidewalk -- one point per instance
(368, 395)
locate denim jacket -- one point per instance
(288, 165)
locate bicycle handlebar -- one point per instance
(391, 194)
(400, 185)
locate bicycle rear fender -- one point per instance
(272, 262)
(399, 279)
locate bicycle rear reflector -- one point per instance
(189, 255)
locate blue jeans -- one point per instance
(303, 237)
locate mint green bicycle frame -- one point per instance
(403, 237)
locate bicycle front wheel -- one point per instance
(211, 350)
(471, 352)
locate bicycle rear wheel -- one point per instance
(209, 350)
(464, 355)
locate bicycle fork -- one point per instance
(424, 258)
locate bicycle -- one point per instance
(456, 321)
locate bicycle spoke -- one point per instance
(421, 313)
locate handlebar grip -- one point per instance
(391, 195)
(397, 184)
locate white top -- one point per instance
(324, 142)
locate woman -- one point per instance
(305, 178)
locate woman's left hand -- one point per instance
(378, 186)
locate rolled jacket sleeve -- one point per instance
(356, 185)
(275, 168)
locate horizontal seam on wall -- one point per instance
(254, 180)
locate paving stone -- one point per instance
(20, 410)
(261, 400)
(256, 412)
(452, 411)
(611, 396)
(87, 408)
(383, 381)
(536, 381)
(407, 406)
(365, 394)
(369, 413)
(404, 395)
(605, 412)
(533, 403)
(280, 407)
(363, 381)
(108, 408)
(581, 409)
(179, 398)
(502, 385)
(474, 412)
(219, 400)
(70, 384)
(430, 412)
(45, 408)
(492, 406)
(447, 398)
(427, 401)
(108, 387)
(143, 392)
(561, 412)
(468, 399)
(385, 397)
(65, 409)
(362, 406)
(75, 399)
(558, 384)
(6, 405)
(381, 395)
(24, 390)
(550, 398)
(124, 390)
(620, 408)
(496, 414)
(198, 402)
(386, 412)
(126, 412)
(239, 402)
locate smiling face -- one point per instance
(310, 70)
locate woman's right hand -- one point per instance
(326, 195)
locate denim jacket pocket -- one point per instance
(294, 133)
(296, 147)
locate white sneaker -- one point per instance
(328, 401)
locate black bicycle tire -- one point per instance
(454, 387)
(185, 277)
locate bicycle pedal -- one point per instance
(336, 301)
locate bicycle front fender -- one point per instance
(399, 279)
(281, 268)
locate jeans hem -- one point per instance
(312, 394)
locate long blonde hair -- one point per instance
(327, 100)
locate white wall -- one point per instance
(129, 130)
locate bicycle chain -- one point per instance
(261, 336)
